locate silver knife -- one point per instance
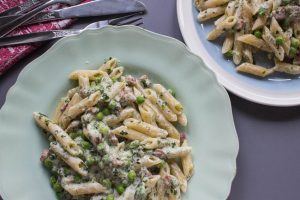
(91, 9)
(133, 19)
(24, 7)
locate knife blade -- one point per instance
(24, 7)
(92, 9)
(132, 19)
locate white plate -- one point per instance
(277, 90)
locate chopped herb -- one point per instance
(262, 11)
(102, 128)
(48, 163)
(293, 52)
(101, 147)
(106, 159)
(52, 180)
(285, 2)
(114, 79)
(57, 187)
(172, 92)
(90, 161)
(112, 105)
(67, 171)
(98, 79)
(105, 97)
(162, 164)
(123, 133)
(85, 145)
(229, 54)
(107, 183)
(77, 179)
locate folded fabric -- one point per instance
(10, 55)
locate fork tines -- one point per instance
(133, 19)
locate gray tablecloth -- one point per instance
(268, 163)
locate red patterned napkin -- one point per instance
(10, 55)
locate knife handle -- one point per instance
(36, 37)
(24, 7)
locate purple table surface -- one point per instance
(268, 163)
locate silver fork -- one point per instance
(134, 19)
(8, 27)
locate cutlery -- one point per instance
(22, 8)
(133, 19)
(91, 9)
(8, 27)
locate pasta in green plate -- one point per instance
(113, 137)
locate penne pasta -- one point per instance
(112, 137)
(254, 70)
(145, 128)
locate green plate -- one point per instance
(211, 130)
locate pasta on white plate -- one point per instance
(252, 26)
(114, 137)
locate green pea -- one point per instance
(120, 189)
(131, 175)
(90, 161)
(110, 197)
(57, 187)
(140, 99)
(293, 51)
(279, 40)
(102, 128)
(295, 42)
(106, 111)
(77, 179)
(85, 145)
(48, 163)
(172, 92)
(100, 116)
(107, 183)
(52, 180)
(229, 54)
(258, 33)
(261, 11)
(112, 105)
